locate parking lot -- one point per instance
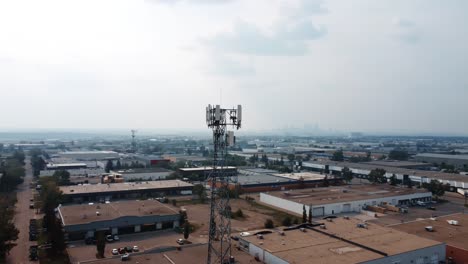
(420, 212)
(79, 251)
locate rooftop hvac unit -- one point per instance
(429, 228)
(452, 222)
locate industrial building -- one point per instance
(147, 174)
(343, 199)
(362, 170)
(121, 217)
(203, 171)
(455, 236)
(261, 180)
(459, 161)
(89, 155)
(126, 190)
(341, 241)
(400, 164)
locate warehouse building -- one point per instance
(122, 217)
(126, 190)
(459, 161)
(337, 200)
(342, 241)
(89, 155)
(146, 174)
(204, 171)
(363, 170)
(261, 180)
(455, 236)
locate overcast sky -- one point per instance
(367, 65)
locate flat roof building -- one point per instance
(363, 169)
(342, 199)
(121, 217)
(342, 241)
(459, 161)
(89, 155)
(116, 191)
(260, 180)
(455, 236)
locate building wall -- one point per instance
(458, 255)
(127, 222)
(345, 206)
(264, 256)
(429, 255)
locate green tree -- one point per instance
(377, 176)
(118, 166)
(8, 231)
(199, 190)
(100, 243)
(62, 177)
(304, 214)
(310, 213)
(291, 157)
(186, 230)
(338, 155)
(109, 166)
(269, 223)
(436, 188)
(393, 180)
(286, 221)
(347, 174)
(398, 154)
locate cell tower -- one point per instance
(219, 245)
(133, 140)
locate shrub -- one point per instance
(269, 223)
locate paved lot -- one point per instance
(79, 251)
(418, 213)
(20, 253)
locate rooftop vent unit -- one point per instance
(429, 228)
(452, 222)
(303, 229)
(323, 226)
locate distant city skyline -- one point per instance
(378, 67)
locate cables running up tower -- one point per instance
(218, 119)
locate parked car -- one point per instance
(115, 251)
(109, 238)
(129, 249)
(125, 256)
(116, 238)
(135, 249)
(181, 241)
(431, 208)
(121, 250)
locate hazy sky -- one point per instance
(367, 65)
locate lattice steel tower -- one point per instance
(218, 119)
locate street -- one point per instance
(20, 253)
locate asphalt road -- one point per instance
(20, 253)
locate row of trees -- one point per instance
(12, 171)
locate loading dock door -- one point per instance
(318, 211)
(346, 208)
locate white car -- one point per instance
(116, 238)
(109, 238)
(115, 251)
(125, 256)
(135, 249)
(244, 234)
